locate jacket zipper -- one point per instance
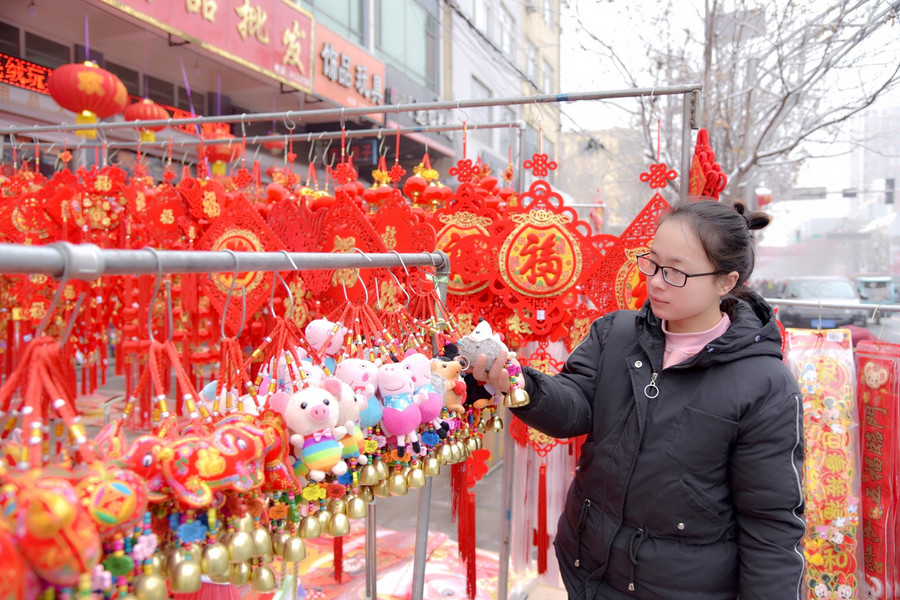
(650, 390)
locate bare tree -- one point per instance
(775, 73)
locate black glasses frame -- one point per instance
(667, 270)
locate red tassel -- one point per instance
(338, 558)
(462, 510)
(541, 538)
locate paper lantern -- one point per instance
(147, 110)
(89, 91)
(220, 154)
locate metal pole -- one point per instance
(371, 558)
(687, 117)
(367, 110)
(88, 261)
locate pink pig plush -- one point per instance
(419, 368)
(351, 404)
(362, 376)
(312, 414)
(402, 416)
(326, 338)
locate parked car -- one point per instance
(839, 290)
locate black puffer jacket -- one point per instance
(689, 483)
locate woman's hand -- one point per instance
(497, 376)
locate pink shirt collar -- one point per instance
(681, 346)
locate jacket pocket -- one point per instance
(701, 441)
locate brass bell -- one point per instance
(278, 541)
(215, 560)
(397, 485)
(381, 489)
(226, 578)
(366, 494)
(194, 552)
(294, 549)
(240, 574)
(310, 527)
(323, 516)
(262, 542)
(457, 452)
(497, 424)
(268, 558)
(339, 525)
(338, 506)
(262, 579)
(159, 562)
(174, 557)
(356, 508)
(432, 466)
(382, 470)
(472, 443)
(445, 454)
(415, 478)
(185, 577)
(240, 547)
(150, 586)
(245, 523)
(368, 475)
(483, 426)
(516, 398)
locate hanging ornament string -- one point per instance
(658, 138)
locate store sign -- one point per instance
(347, 75)
(364, 153)
(271, 37)
(24, 74)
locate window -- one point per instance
(159, 90)
(506, 31)
(481, 114)
(185, 101)
(548, 78)
(9, 40)
(406, 37)
(548, 12)
(129, 77)
(45, 52)
(343, 16)
(530, 61)
(482, 16)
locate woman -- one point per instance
(689, 482)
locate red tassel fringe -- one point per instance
(462, 510)
(541, 538)
(338, 558)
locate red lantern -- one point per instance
(86, 89)
(413, 187)
(275, 147)
(220, 154)
(147, 110)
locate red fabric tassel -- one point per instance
(541, 538)
(338, 558)
(462, 510)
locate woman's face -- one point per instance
(694, 307)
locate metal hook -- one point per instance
(400, 258)
(156, 286)
(343, 122)
(462, 111)
(286, 118)
(381, 141)
(286, 286)
(228, 299)
(73, 318)
(325, 154)
(400, 287)
(312, 149)
(63, 280)
(243, 126)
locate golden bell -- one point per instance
(240, 574)
(221, 578)
(174, 557)
(516, 398)
(338, 506)
(366, 494)
(382, 469)
(215, 560)
(472, 443)
(368, 475)
(457, 452)
(483, 426)
(356, 508)
(323, 516)
(159, 562)
(339, 525)
(445, 454)
(397, 485)
(245, 523)
(310, 527)
(262, 542)
(294, 549)
(497, 424)
(185, 578)
(278, 541)
(151, 586)
(381, 489)
(268, 557)
(240, 547)
(432, 466)
(415, 478)
(262, 579)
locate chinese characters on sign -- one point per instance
(24, 74)
(338, 67)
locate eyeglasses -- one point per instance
(671, 275)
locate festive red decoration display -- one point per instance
(88, 90)
(706, 176)
(147, 110)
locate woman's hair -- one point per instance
(724, 232)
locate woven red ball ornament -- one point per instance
(88, 90)
(146, 110)
(414, 187)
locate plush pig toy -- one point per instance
(311, 414)
(351, 405)
(362, 376)
(418, 366)
(326, 338)
(402, 416)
